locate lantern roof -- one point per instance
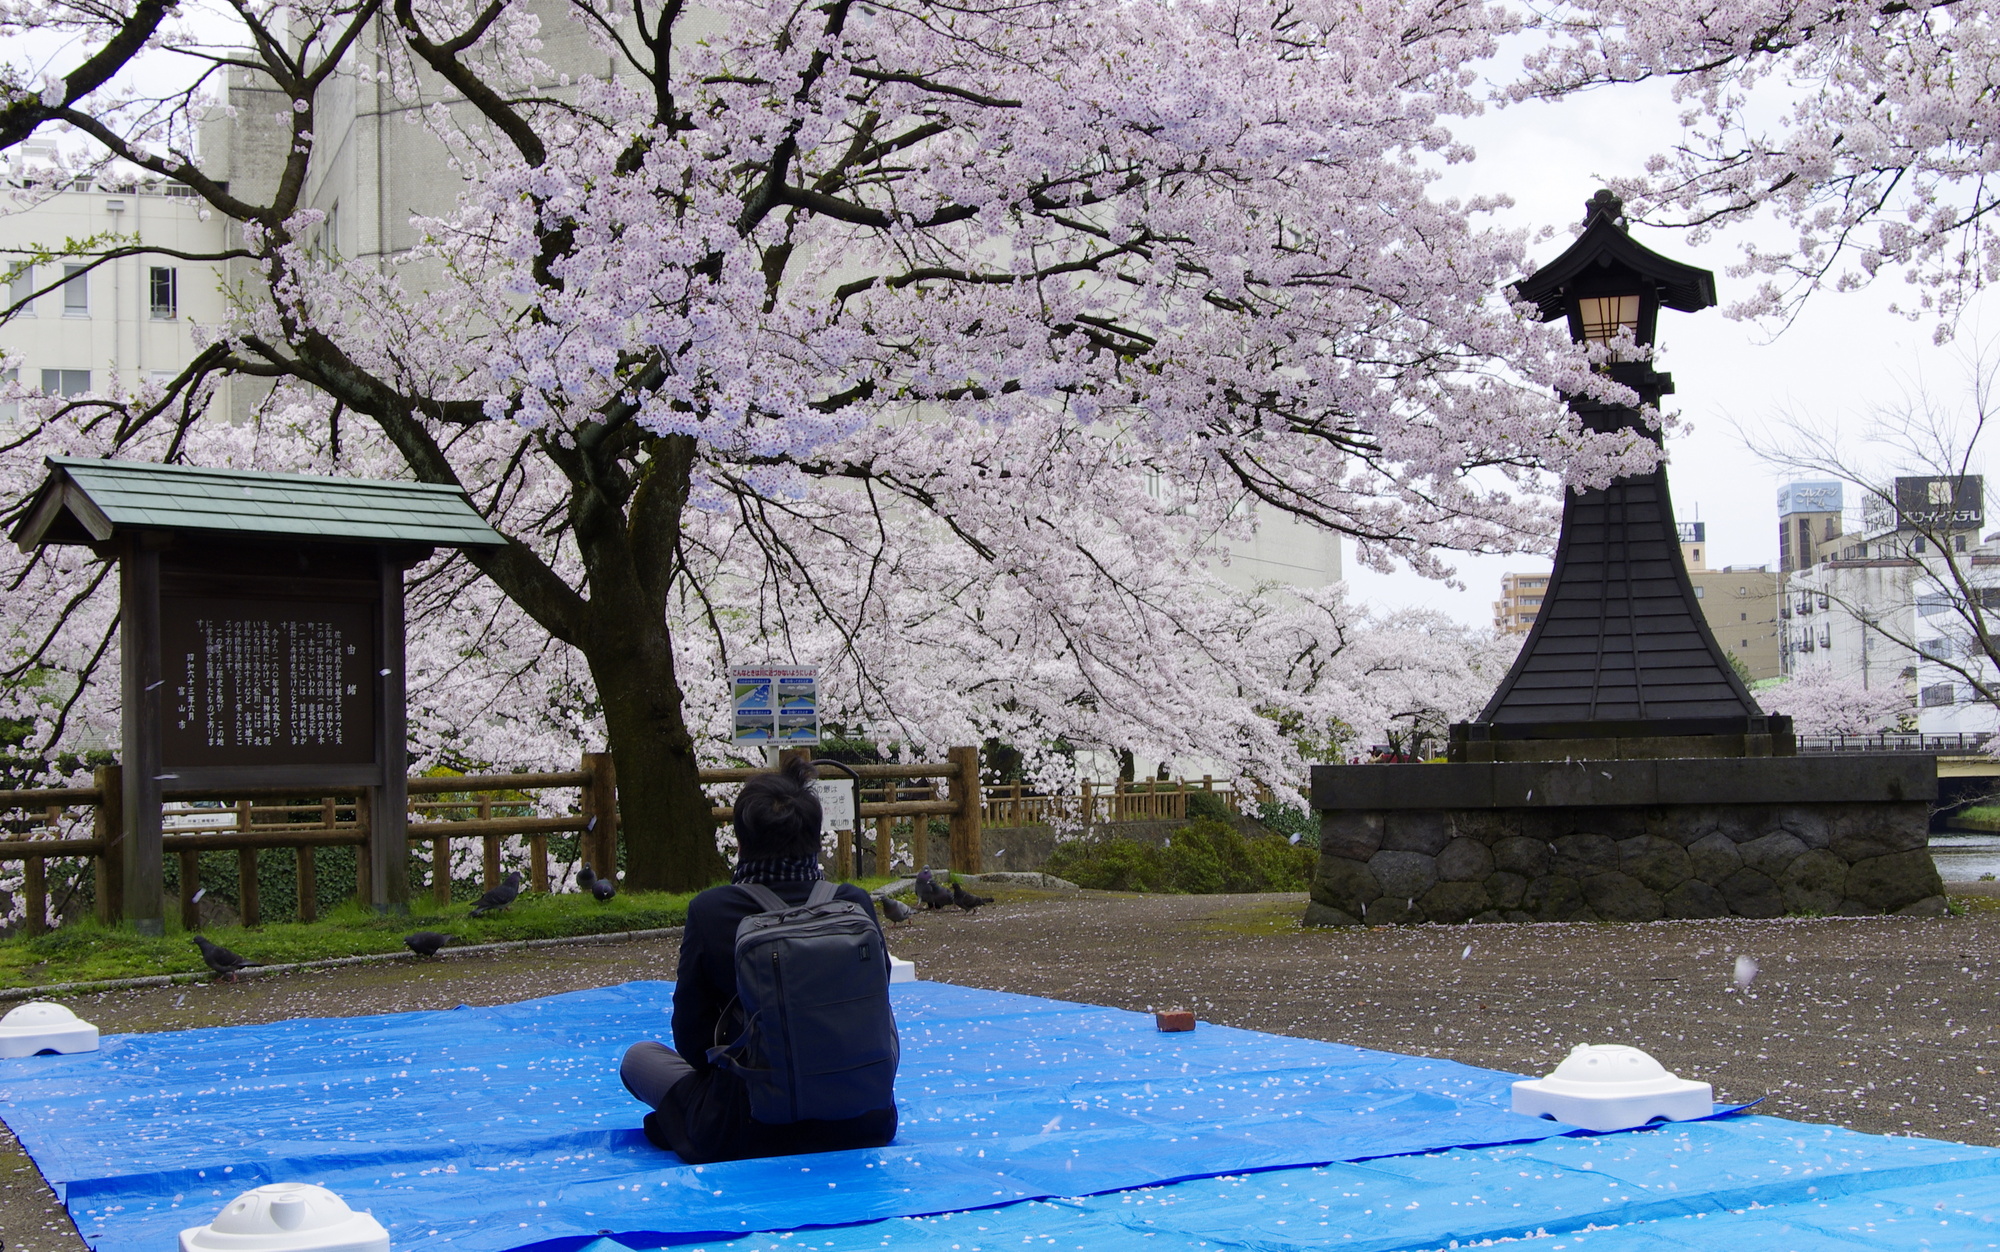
(1599, 253)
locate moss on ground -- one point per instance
(88, 952)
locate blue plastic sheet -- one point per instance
(496, 1128)
(1748, 1184)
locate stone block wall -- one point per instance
(1628, 847)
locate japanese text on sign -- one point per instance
(254, 683)
(776, 704)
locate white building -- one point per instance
(124, 320)
(1854, 611)
(1949, 656)
(1884, 610)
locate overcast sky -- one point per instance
(1844, 357)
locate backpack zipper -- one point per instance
(785, 1025)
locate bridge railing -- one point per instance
(1961, 743)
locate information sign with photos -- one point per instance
(776, 705)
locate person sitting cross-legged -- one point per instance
(776, 1065)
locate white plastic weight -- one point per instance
(287, 1217)
(1608, 1086)
(901, 970)
(42, 1026)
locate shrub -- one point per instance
(1206, 806)
(1203, 857)
(1289, 820)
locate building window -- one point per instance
(10, 409)
(1958, 543)
(76, 291)
(164, 286)
(1917, 546)
(21, 288)
(1938, 696)
(1700, 592)
(65, 382)
(1742, 617)
(1743, 643)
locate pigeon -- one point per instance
(221, 959)
(500, 897)
(426, 942)
(966, 900)
(603, 889)
(585, 879)
(896, 911)
(929, 893)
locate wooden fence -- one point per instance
(489, 808)
(1120, 801)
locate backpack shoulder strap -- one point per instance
(822, 892)
(767, 900)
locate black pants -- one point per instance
(703, 1115)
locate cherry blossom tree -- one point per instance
(944, 346)
(1821, 701)
(1865, 129)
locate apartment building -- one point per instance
(1520, 600)
(81, 327)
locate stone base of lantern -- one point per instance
(1625, 840)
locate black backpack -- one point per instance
(812, 985)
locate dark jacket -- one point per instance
(713, 1105)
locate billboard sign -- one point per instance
(1691, 532)
(1941, 503)
(776, 705)
(1823, 496)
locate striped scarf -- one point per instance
(777, 869)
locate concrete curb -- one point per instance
(372, 958)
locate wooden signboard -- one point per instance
(261, 637)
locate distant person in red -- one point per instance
(702, 1109)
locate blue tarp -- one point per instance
(497, 1128)
(1747, 1184)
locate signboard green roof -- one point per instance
(85, 501)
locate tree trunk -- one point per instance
(663, 815)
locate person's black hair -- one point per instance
(777, 814)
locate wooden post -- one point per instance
(885, 851)
(538, 863)
(35, 884)
(141, 684)
(441, 870)
(965, 851)
(190, 883)
(365, 801)
(1089, 808)
(600, 814)
(843, 855)
(388, 848)
(489, 862)
(247, 902)
(308, 878)
(110, 827)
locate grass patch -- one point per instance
(1201, 858)
(88, 952)
(1255, 919)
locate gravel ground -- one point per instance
(1881, 1024)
